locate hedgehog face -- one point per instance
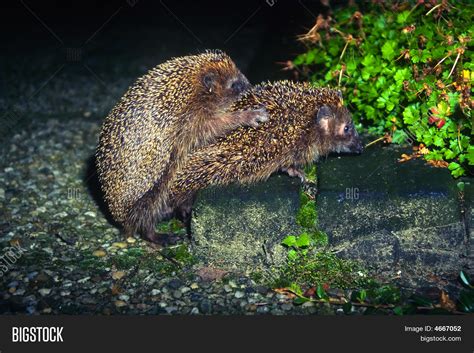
(223, 84)
(337, 131)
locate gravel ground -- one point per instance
(72, 260)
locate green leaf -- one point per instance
(438, 141)
(470, 155)
(398, 310)
(292, 254)
(362, 295)
(300, 59)
(310, 173)
(295, 288)
(289, 241)
(453, 165)
(399, 137)
(304, 240)
(402, 75)
(388, 49)
(403, 16)
(300, 300)
(369, 60)
(410, 114)
(320, 292)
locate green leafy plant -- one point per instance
(406, 71)
(309, 263)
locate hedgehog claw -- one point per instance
(295, 172)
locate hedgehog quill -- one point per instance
(305, 123)
(175, 108)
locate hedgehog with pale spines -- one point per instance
(175, 108)
(305, 123)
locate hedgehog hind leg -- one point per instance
(184, 214)
(163, 239)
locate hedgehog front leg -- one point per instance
(295, 172)
(221, 124)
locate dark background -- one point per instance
(67, 57)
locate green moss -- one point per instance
(181, 254)
(171, 226)
(315, 268)
(307, 215)
(310, 173)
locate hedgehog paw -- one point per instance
(295, 172)
(258, 116)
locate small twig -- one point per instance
(443, 59)
(434, 8)
(345, 47)
(340, 76)
(375, 141)
(455, 63)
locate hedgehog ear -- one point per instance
(323, 113)
(339, 93)
(322, 118)
(208, 81)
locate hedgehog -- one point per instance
(175, 108)
(305, 123)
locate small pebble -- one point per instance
(124, 297)
(120, 245)
(118, 275)
(44, 291)
(239, 294)
(99, 253)
(120, 303)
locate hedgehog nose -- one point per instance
(239, 86)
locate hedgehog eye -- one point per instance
(346, 129)
(208, 81)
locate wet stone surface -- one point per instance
(402, 219)
(240, 228)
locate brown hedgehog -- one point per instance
(304, 124)
(173, 109)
